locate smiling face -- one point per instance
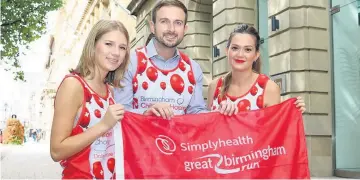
(170, 26)
(242, 52)
(110, 50)
(106, 49)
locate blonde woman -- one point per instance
(85, 112)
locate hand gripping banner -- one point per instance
(266, 143)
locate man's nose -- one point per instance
(171, 27)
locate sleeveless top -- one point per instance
(252, 100)
(96, 161)
(153, 85)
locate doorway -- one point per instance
(346, 87)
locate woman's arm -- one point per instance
(68, 100)
(211, 91)
(271, 94)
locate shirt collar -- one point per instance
(151, 50)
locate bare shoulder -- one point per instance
(71, 84)
(272, 87)
(70, 89)
(272, 94)
(214, 82)
(211, 91)
(212, 87)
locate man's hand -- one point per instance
(160, 109)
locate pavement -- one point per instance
(28, 161)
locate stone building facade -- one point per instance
(74, 21)
(297, 54)
(304, 55)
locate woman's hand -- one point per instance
(113, 114)
(228, 108)
(300, 104)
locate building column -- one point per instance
(228, 14)
(299, 59)
(142, 10)
(197, 40)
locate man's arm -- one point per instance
(197, 103)
(125, 95)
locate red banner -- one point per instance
(267, 143)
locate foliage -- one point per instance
(22, 21)
(16, 141)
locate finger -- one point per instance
(121, 107)
(222, 107)
(171, 112)
(117, 109)
(236, 110)
(120, 112)
(121, 118)
(300, 105)
(162, 112)
(156, 112)
(232, 110)
(118, 116)
(228, 109)
(116, 106)
(302, 110)
(299, 99)
(167, 112)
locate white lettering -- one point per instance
(197, 165)
(215, 145)
(224, 164)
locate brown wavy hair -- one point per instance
(256, 66)
(86, 66)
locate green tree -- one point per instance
(22, 21)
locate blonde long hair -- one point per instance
(86, 66)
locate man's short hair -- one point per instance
(163, 3)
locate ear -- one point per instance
(257, 55)
(185, 28)
(152, 26)
(226, 51)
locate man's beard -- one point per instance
(162, 41)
